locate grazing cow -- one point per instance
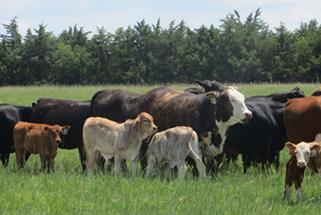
(9, 116)
(206, 87)
(42, 139)
(64, 112)
(171, 148)
(120, 141)
(261, 140)
(303, 154)
(302, 117)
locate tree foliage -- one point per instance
(238, 50)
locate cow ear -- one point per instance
(65, 129)
(315, 149)
(203, 84)
(291, 148)
(318, 137)
(212, 96)
(46, 130)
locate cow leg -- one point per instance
(151, 164)
(181, 170)
(82, 157)
(277, 162)
(91, 159)
(287, 192)
(117, 168)
(134, 166)
(20, 158)
(297, 184)
(199, 164)
(43, 163)
(5, 159)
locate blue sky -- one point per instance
(59, 14)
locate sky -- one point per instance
(58, 15)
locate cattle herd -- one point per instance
(165, 129)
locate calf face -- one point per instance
(303, 152)
(55, 133)
(145, 124)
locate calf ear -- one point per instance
(45, 130)
(291, 147)
(212, 96)
(315, 149)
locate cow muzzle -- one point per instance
(247, 117)
(301, 164)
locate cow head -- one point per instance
(296, 92)
(230, 106)
(57, 132)
(303, 152)
(144, 123)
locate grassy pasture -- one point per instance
(67, 191)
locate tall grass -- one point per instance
(68, 191)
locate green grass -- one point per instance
(67, 191)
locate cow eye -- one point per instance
(145, 121)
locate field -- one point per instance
(67, 191)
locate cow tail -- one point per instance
(193, 141)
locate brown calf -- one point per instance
(39, 139)
(302, 155)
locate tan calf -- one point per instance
(121, 141)
(39, 139)
(171, 147)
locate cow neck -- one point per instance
(133, 132)
(222, 128)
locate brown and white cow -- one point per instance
(42, 139)
(302, 155)
(171, 147)
(121, 141)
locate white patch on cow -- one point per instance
(240, 110)
(299, 194)
(302, 153)
(222, 128)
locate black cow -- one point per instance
(64, 112)
(172, 108)
(261, 140)
(206, 87)
(9, 116)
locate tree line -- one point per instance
(235, 51)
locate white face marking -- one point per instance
(237, 99)
(302, 153)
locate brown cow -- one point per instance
(39, 139)
(302, 155)
(302, 117)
